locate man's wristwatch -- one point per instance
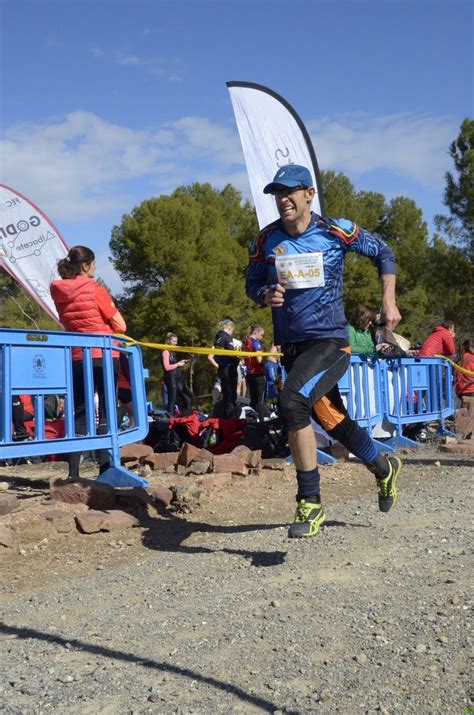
(261, 295)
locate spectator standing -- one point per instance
(465, 389)
(360, 335)
(177, 391)
(296, 268)
(242, 379)
(226, 366)
(272, 372)
(125, 392)
(85, 306)
(255, 367)
(440, 342)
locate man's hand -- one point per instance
(275, 296)
(390, 316)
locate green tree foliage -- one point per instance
(459, 191)
(451, 277)
(424, 271)
(18, 310)
(184, 256)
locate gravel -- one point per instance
(220, 612)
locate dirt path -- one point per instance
(221, 613)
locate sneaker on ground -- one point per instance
(388, 487)
(309, 517)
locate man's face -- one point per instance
(292, 204)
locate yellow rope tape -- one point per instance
(456, 366)
(196, 351)
(235, 353)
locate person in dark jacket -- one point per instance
(85, 306)
(177, 390)
(226, 366)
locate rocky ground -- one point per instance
(216, 611)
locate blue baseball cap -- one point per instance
(290, 176)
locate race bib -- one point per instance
(304, 270)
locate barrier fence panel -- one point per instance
(401, 391)
(394, 393)
(362, 394)
(417, 390)
(40, 363)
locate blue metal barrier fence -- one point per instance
(39, 363)
(400, 391)
(416, 390)
(397, 392)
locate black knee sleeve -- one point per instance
(295, 410)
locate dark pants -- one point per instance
(177, 393)
(257, 385)
(228, 377)
(74, 458)
(18, 417)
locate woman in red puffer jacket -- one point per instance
(84, 306)
(440, 342)
(465, 390)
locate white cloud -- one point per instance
(158, 66)
(410, 146)
(82, 167)
(79, 167)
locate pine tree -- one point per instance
(459, 191)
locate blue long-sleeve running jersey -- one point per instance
(316, 311)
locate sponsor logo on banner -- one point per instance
(30, 246)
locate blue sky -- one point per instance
(107, 103)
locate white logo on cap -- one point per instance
(281, 173)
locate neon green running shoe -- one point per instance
(309, 517)
(388, 487)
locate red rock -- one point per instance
(90, 522)
(242, 451)
(464, 423)
(134, 452)
(85, 491)
(63, 521)
(160, 460)
(275, 463)
(465, 446)
(114, 520)
(205, 455)
(163, 495)
(198, 466)
(117, 520)
(7, 536)
(254, 459)
(187, 453)
(229, 463)
(9, 503)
